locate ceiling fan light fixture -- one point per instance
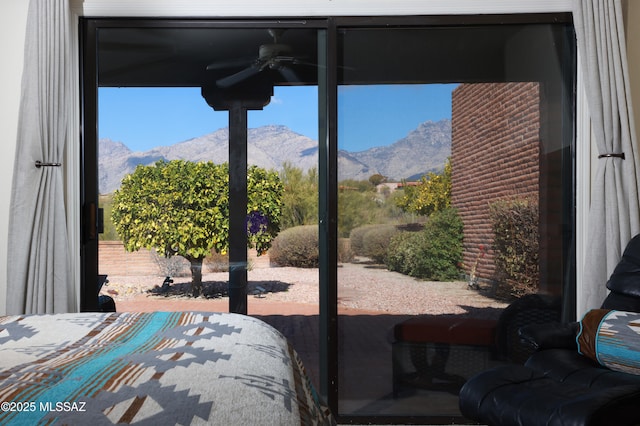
(269, 51)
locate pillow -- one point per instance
(612, 338)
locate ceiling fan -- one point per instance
(272, 56)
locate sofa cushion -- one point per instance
(566, 365)
(625, 279)
(517, 395)
(550, 335)
(612, 338)
(621, 302)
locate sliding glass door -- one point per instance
(454, 149)
(433, 190)
(240, 103)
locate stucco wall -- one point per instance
(113, 259)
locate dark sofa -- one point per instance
(557, 385)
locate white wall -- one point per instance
(308, 8)
(13, 18)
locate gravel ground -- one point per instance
(360, 286)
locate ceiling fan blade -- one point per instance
(233, 63)
(288, 74)
(131, 46)
(242, 75)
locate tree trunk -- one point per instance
(196, 277)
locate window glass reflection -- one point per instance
(450, 142)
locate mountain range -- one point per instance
(423, 150)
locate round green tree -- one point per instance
(432, 195)
(182, 208)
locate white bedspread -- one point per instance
(160, 368)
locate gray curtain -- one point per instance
(38, 266)
(615, 208)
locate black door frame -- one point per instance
(89, 28)
(328, 167)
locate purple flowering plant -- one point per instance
(256, 222)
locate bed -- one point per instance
(152, 368)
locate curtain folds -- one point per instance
(38, 266)
(614, 216)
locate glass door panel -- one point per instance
(244, 98)
(446, 136)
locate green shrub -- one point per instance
(355, 209)
(515, 243)
(300, 196)
(434, 253)
(109, 229)
(376, 242)
(344, 250)
(297, 247)
(402, 251)
(356, 239)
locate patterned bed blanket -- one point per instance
(161, 368)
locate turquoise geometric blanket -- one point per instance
(152, 368)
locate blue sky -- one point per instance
(144, 118)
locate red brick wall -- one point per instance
(495, 154)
